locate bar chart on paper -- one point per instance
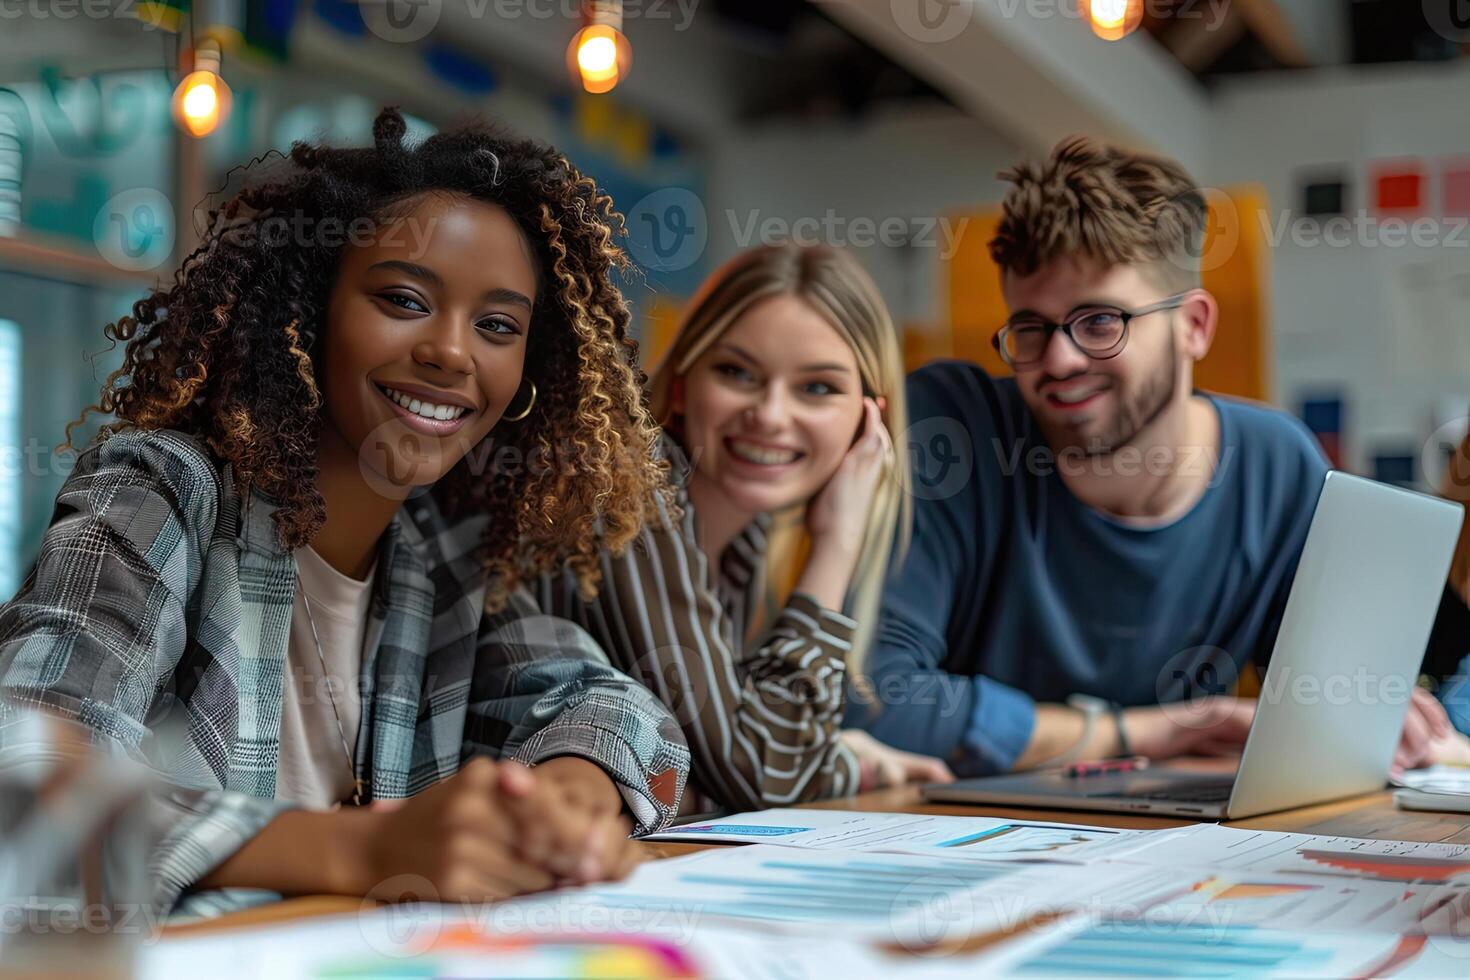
(880, 896)
(1234, 849)
(1193, 949)
(988, 838)
(785, 885)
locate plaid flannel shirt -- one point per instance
(158, 616)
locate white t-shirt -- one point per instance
(313, 769)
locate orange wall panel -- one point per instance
(1234, 268)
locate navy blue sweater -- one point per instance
(1015, 592)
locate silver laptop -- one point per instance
(1334, 696)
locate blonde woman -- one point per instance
(782, 394)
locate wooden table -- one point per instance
(1373, 816)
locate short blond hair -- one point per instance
(1093, 200)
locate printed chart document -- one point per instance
(1316, 902)
(1163, 948)
(883, 897)
(1231, 849)
(988, 838)
(463, 941)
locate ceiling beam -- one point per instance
(1198, 44)
(1038, 77)
(1269, 22)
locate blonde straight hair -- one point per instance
(836, 286)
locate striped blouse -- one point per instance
(761, 716)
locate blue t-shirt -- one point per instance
(1014, 591)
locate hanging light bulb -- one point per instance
(202, 100)
(1113, 20)
(599, 55)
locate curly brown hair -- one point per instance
(1095, 200)
(228, 352)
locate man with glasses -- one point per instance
(1099, 549)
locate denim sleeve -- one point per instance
(1000, 726)
(1454, 694)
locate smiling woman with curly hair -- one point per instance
(392, 384)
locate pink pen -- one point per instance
(1101, 766)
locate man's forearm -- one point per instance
(335, 841)
(1058, 732)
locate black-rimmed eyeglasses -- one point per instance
(1100, 332)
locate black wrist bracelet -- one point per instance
(1124, 749)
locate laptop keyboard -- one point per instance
(1202, 793)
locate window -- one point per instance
(10, 459)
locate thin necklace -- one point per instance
(321, 658)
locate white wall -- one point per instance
(1342, 317)
(916, 166)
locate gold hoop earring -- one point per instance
(527, 410)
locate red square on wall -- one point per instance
(1457, 189)
(1399, 189)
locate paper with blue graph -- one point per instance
(883, 897)
(988, 838)
(1233, 849)
(1104, 947)
(1316, 902)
